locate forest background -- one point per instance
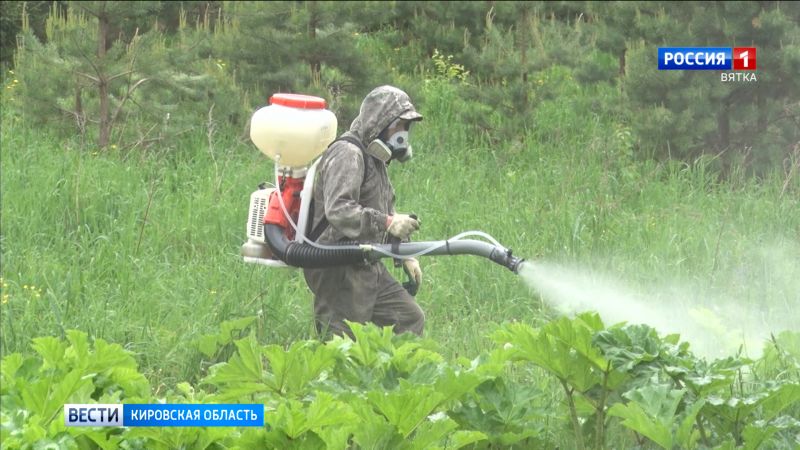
(127, 168)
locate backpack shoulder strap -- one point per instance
(323, 223)
(351, 139)
(357, 142)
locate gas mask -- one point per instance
(401, 149)
(396, 147)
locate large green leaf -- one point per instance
(325, 411)
(430, 433)
(374, 432)
(686, 435)
(650, 412)
(730, 414)
(291, 370)
(628, 346)
(229, 330)
(463, 438)
(409, 356)
(52, 351)
(250, 358)
(207, 344)
(562, 347)
(506, 412)
(779, 400)
(406, 407)
(295, 418)
(635, 418)
(373, 346)
(760, 431)
(336, 438)
(705, 378)
(102, 439)
(242, 375)
(9, 367)
(129, 380)
(109, 356)
(79, 348)
(452, 384)
(660, 401)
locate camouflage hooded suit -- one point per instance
(356, 207)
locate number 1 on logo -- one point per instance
(744, 58)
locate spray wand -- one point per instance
(293, 130)
(306, 253)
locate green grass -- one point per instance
(143, 249)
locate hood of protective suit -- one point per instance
(380, 108)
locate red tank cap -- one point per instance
(297, 101)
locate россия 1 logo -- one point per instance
(740, 60)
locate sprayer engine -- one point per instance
(266, 210)
(293, 131)
(290, 193)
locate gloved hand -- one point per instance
(411, 266)
(402, 225)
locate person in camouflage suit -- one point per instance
(352, 192)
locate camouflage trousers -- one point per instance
(361, 293)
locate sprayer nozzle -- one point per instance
(514, 264)
(506, 259)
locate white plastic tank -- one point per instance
(294, 129)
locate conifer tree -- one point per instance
(306, 47)
(105, 66)
(688, 113)
(11, 13)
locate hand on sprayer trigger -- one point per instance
(402, 225)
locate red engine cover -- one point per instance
(290, 192)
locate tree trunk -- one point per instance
(313, 61)
(105, 119)
(103, 26)
(523, 45)
(80, 118)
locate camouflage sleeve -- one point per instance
(343, 175)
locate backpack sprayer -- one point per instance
(293, 130)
